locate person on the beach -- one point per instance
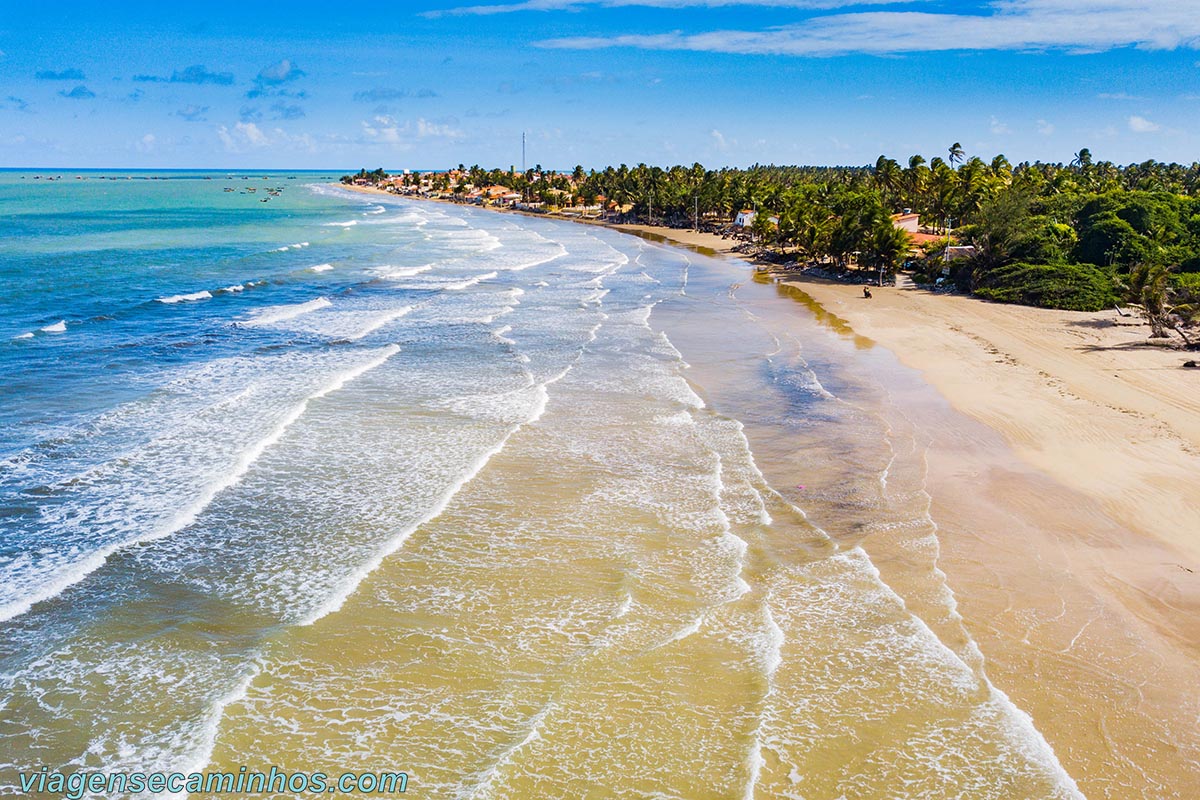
(867, 292)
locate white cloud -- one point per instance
(1045, 128)
(386, 130)
(247, 136)
(382, 129)
(252, 133)
(1142, 125)
(575, 5)
(145, 144)
(719, 140)
(1073, 25)
(427, 129)
(999, 128)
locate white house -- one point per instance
(907, 222)
(744, 219)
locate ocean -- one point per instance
(520, 507)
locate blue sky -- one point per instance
(593, 82)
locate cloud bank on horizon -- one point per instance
(599, 81)
(1074, 25)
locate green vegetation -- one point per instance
(1073, 236)
(374, 176)
(1076, 287)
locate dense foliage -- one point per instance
(1059, 235)
(1076, 287)
(374, 176)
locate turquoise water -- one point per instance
(337, 480)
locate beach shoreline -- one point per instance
(1068, 535)
(1046, 380)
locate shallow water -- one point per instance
(522, 508)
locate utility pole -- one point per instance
(696, 214)
(522, 151)
(946, 256)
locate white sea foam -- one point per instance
(273, 314)
(71, 573)
(335, 601)
(537, 262)
(210, 727)
(416, 220)
(375, 210)
(321, 268)
(391, 273)
(483, 787)
(348, 224)
(186, 298)
(232, 289)
(58, 327)
(457, 286)
(23, 336)
(378, 321)
(55, 585)
(683, 633)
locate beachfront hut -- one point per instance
(744, 219)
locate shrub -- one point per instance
(1075, 287)
(1188, 280)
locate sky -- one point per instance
(433, 84)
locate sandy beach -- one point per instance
(1073, 542)
(1076, 394)
(1062, 476)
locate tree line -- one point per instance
(1082, 234)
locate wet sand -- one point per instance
(1054, 531)
(1068, 522)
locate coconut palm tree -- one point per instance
(1148, 290)
(956, 154)
(887, 177)
(1001, 168)
(888, 246)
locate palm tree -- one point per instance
(956, 154)
(889, 246)
(1148, 290)
(887, 176)
(915, 178)
(1001, 168)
